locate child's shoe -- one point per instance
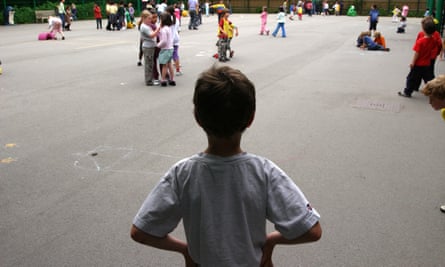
(172, 83)
(216, 56)
(139, 63)
(164, 84)
(178, 73)
(231, 53)
(267, 32)
(403, 94)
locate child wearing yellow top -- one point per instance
(225, 35)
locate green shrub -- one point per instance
(24, 15)
(85, 11)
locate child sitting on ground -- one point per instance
(379, 39)
(369, 44)
(402, 25)
(225, 195)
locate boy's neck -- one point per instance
(224, 147)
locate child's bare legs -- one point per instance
(167, 68)
(163, 75)
(172, 73)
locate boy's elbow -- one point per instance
(136, 234)
(314, 234)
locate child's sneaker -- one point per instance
(267, 32)
(156, 82)
(163, 84)
(172, 83)
(403, 94)
(178, 73)
(231, 53)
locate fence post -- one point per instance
(439, 12)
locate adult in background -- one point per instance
(193, 12)
(61, 12)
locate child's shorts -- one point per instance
(165, 56)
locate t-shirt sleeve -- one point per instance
(287, 207)
(160, 212)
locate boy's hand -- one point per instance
(188, 260)
(266, 259)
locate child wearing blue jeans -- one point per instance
(281, 19)
(224, 195)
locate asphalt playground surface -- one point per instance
(83, 141)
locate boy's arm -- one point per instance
(413, 61)
(275, 238)
(165, 243)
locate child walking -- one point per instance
(263, 17)
(421, 61)
(281, 19)
(166, 53)
(395, 14)
(148, 38)
(230, 29)
(224, 195)
(223, 36)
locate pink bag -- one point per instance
(46, 36)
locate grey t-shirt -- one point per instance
(147, 41)
(224, 203)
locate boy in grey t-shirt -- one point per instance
(224, 195)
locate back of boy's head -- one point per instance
(428, 25)
(435, 88)
(224, 101)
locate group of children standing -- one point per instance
(159, 43)
(119, 16)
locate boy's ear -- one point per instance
(251, 120)
(196, 117)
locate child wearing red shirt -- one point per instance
(424, 48)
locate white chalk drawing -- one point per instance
(122, 159)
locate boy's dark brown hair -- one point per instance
(428, 25)
(224, 101)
